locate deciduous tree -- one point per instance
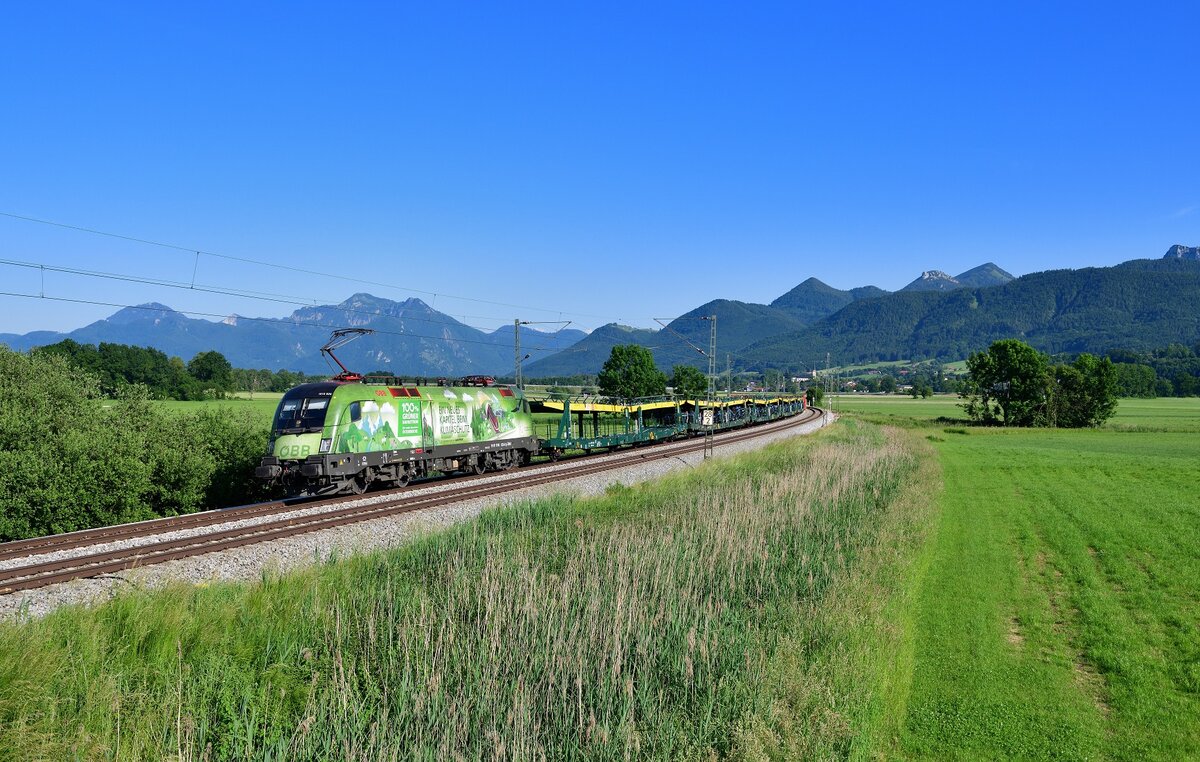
(688, 382)
(1006, 384)
(211, 368)
(629, 372)
(1012, 383)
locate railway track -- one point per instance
(96, 563)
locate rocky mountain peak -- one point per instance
(934, 280)
(937, 275)
(1179, 251)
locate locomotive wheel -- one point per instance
(478, 467)
(359, 484)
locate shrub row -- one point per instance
(71, 458)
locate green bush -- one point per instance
(71, 459)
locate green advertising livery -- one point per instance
(344, 435)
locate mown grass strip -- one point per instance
(660, 621)
(1058, 618)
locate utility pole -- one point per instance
(707, 416)
(828, 389)
(728, 373)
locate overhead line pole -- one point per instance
(712, 373)
(712, 385)
(518, 380)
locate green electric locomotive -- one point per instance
(343, 436)
(346, 434)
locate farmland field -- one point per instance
(262, 405)
(881, 407)
(1161, 414)
(1058, 614)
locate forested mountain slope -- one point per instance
(1136, 305)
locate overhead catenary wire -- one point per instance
(223, 291)
(291, 321)
(288, 268)
(278, 298)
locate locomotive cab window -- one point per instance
(306, 414)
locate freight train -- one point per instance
(344, 435)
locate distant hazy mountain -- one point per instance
(590, 352)
(1140, 304)
(813, 300)
(411, 338)
(933, 280)
(1136, 305)
(739, 325)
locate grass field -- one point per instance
(1058, 616)
(1163, 414)
(263, 404)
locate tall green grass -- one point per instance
(675, 619)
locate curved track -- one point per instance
(85, 564)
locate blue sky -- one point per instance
(601, 162)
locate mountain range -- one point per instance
(410, 338)
(1140, 304)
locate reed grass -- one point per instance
(668, 620)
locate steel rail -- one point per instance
(75, 567)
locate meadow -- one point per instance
(735, 609)
(1168, 414)
(262, 405)
(1057, 616)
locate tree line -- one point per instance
(1170, 371)
(208, 375)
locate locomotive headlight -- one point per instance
(325, 444)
